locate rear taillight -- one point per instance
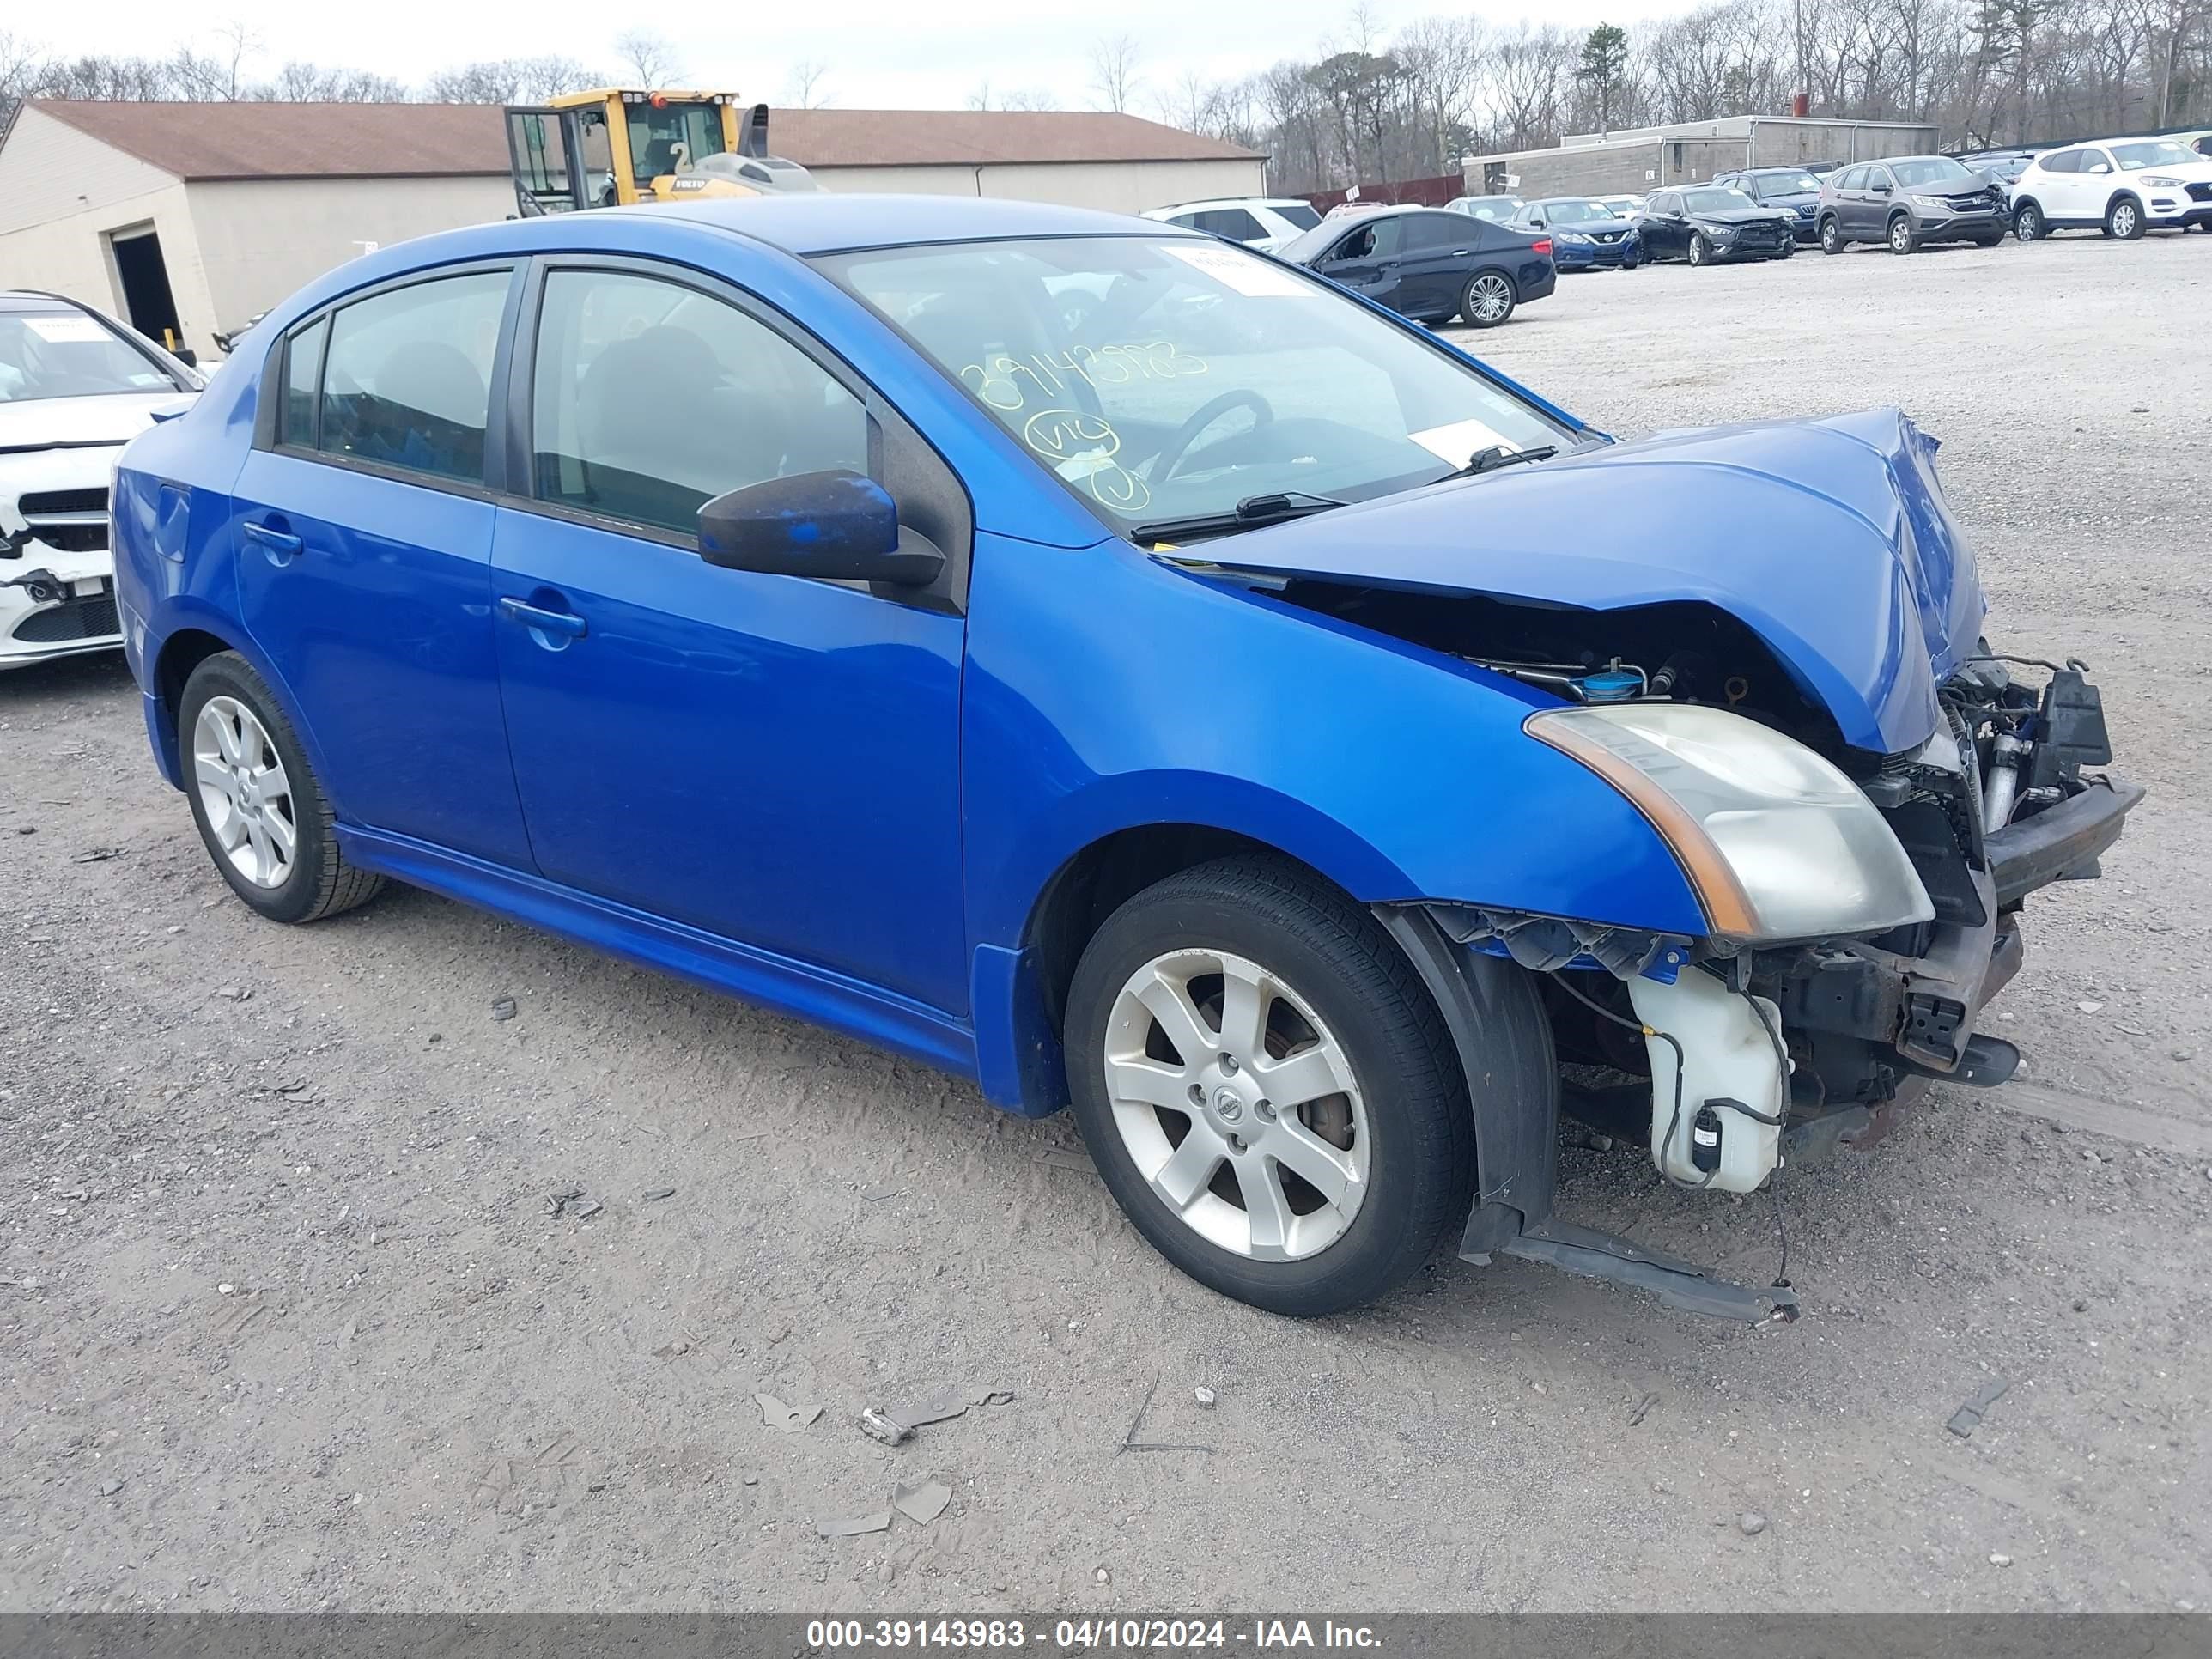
(1542, 245)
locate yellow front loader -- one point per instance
(616, 148)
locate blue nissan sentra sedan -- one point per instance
(1130, 672)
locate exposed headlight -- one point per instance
(1720, 231)
(1779, 843)
(2164, 184)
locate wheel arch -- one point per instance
(195, 638)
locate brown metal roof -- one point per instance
(326, 141)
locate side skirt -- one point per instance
(777, 982)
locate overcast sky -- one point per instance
(876, 54)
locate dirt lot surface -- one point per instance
(285, 1322)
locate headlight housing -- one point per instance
(1936, 203)
(1779, 843)
(1571, 236)
(2163, 183)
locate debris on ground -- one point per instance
(1057, 1159)
(1751, 1523)
(1968, 1417)
(1103, 1576)
(1998, 1559)
(570, 1202)
(232, 993)
(922, 1502)
(111, 1485)
(656, 1194)
(1131, 1444)
(97, 856)
(777, 1415)
(1641, 1409)
(877, 1424)
(502, 1007)
(1204, 1397)
(855, 1526)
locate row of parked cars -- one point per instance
(1479, 258)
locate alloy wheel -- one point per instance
(1493, 299)
(245, 791)
(2124, 219)
(1236, 1104)
(1900, 237)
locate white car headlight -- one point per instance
(1779, 843)
(2163, 183)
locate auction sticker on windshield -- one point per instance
(1237, 270)
(66, 328)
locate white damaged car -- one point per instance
(74, 387)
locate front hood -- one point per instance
(1733, 217)
(45, 422)
(1830, 539)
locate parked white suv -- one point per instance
(74, 387)
(2123, 186)
(1266, 222)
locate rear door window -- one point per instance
(1435, 230)
(1235, 223)
(407, 380)
(303, 379)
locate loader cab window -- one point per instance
(654, 135)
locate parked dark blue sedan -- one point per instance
(1123, 671)
(1586, 234)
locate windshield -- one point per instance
(1575, 213)
(1496, 209)
(1786, 184)
(1717, 201)
(68, 354)
(1934, 170)
(1300, 214)
(2134, 158)
(1165, 378)
(655, 133)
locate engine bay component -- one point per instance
(1719, 1082)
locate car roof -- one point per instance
(30, 299)
(824, 222)
(1233, 201)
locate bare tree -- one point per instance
(1114, 60)
(805, 88)
(648, 58)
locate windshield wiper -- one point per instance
(1251, 513)
(1498, 455)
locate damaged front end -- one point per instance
(1861, 794)
(1773, 1038)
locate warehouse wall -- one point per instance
(263, 239)
(61, 193)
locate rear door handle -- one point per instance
(277, 543)
(566, 623)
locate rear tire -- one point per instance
(1901, 237)
(260, 810)
(2124, 220)
(1398, 1143)
(1487, 300)
(1832, 235)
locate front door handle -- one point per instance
(564, 623)
(279, 544)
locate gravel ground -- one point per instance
(285, 1322)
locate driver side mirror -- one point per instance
(836, 526)
(1879, 188)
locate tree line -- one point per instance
(1378, 104)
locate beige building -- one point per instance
(1638, 161)
(190, 219)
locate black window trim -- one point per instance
(491, 484)
(886, 424)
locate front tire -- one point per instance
(2124, 219)
(1266, 1088)
(2028, 223)
(1832, 236)
(260, 810)
(1487, 300)
(1701, 250)
(1901, 237)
